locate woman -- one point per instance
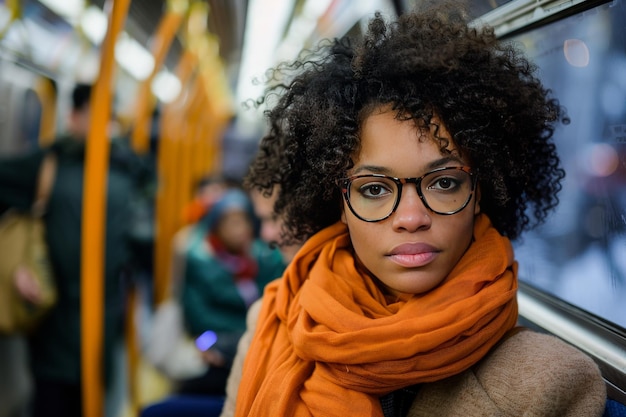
(227, 268)
(412, 159)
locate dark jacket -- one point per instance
(210, 297)
(55, 346)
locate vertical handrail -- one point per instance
(191, 128)
(185, 173)
(161, 42)
(140, 141)
(173, 126)
(219, 103)
(15, 11)
(48, 99)
(94, 219)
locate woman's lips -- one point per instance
(413, 255)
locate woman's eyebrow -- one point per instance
(371, 169)
(437, 163)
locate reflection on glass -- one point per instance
(579, 255)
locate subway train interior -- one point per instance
(181, 73)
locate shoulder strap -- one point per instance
(45, 180)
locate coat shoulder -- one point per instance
(530, 374)
(542, 375)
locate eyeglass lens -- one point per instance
(444, 191)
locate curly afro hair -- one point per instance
(429, 66)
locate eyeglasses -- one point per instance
(374, 197)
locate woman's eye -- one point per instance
(374, 190)
(444, 184)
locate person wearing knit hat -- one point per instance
(227, 268)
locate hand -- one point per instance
(213, 357)
(27, 286)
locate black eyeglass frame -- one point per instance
(344, 184)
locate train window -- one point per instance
(30, 118)
(578, 255)
(20, 111)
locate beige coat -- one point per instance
(530, 374)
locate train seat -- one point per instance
(211, 406)
(186, 405)
(614, 409)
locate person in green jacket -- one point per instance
(55, 347)
(227, 268)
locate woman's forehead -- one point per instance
(389, 145)
(424, 123)
(385, 118)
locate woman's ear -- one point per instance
(343, 213)
(477, 201)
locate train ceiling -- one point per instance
(227, 20)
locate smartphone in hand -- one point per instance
(206, 340)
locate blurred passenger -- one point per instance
(271, 232)
(168, 347)
(271, 223)
(55, 346)
(208, 190)
(226, 270)
(15, 384)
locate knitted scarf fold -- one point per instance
(328, 343)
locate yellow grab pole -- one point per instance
(205, 137)
(219, 109)
(15, 13)
(47, 96)
(93, 221)
(167, 220)
(167, 217)
(184, 167)
(200, 133)
(161, 42)
(132, 351)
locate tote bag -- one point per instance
(23, 249)
(170, 349)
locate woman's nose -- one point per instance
(411, 214)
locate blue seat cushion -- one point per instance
(614, 409)
(185, 405)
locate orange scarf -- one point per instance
(328, 343)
